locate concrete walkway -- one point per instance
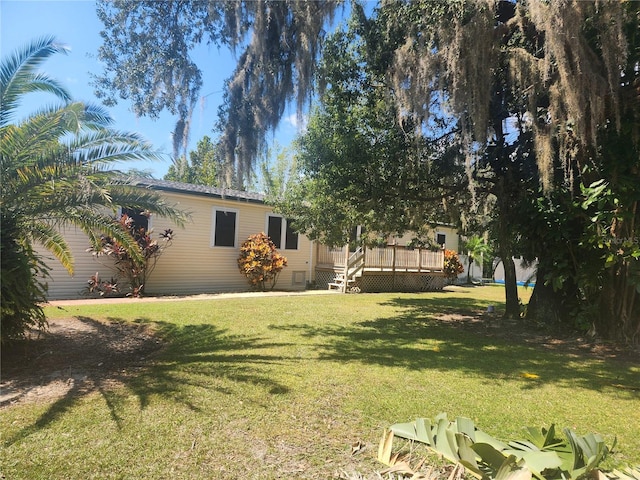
(177, 298)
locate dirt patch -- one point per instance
(79, 354)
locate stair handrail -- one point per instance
(355, 257)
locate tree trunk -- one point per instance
(512, 305)
(545, 303)
(553, 306)
(505, 249)
(618, 316)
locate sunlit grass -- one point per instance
(281, 387)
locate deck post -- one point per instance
(393, 266)
(346, 268)
(419, 259)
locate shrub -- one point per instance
(452, 265)
(134, 271)
(260, 262)
(21, 291)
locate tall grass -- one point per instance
(280, 387)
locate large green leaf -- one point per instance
(543, 438)
(406, 430)
(466, 426)
(467, 454)
(537, 461)
(445, 440)
(483, 437)
(492, 459)
(523, 445)
(512, 469)
(424, 432)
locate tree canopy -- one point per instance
(541, 97)
(204, 166)
(147, 48)
(567, 86)
(359, 164)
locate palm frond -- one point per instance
(96, 116)
(94, 226)
(107, 147)
(57, 163)
(54, 199)
(145, 199)
(18, 75)
(23, 144)
(45, 234)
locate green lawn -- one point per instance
(280, 387)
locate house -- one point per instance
(203, 255)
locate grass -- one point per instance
(280, 387)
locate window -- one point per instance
(354, 237)
(140, 220)
(224, 227)
(441, 239)
(279, 228)
(274, 230)
(291, 238)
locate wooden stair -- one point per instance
(345, 281)
(339, 284)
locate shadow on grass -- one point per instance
(447, 333)
(205, 352)
(147, 358)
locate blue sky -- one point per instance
(74, 23)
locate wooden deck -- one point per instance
(392, 258)
(391, 268)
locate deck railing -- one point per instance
(331, 256)
(390, 258)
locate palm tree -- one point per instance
(476, 248)
(57, 169)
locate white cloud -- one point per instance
(293, 120)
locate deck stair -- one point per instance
(345, 281)
(339, 284)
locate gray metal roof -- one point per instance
(201, 190)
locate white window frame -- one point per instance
(283, 231)
(445, 238)
(214, 210)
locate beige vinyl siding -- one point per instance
(193, 265)
(61, 284)
(451, 239)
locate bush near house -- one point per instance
(133, 270)
(260, 262)
(452, 265)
